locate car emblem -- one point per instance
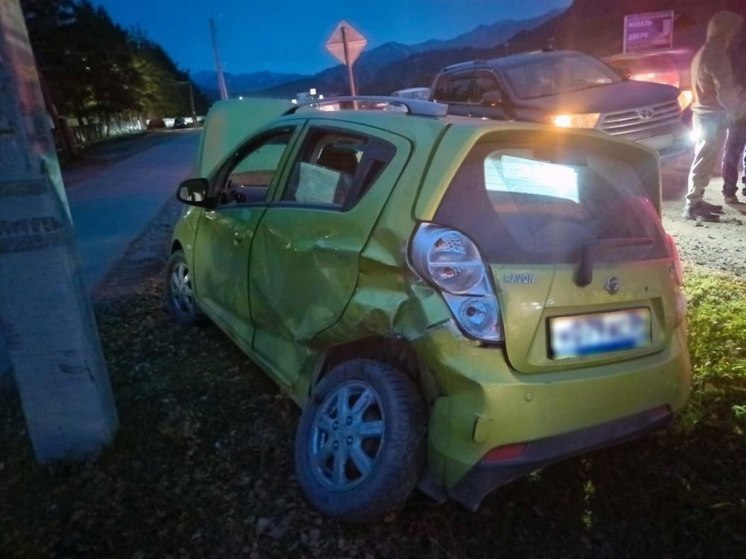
(645, 114)
(612, 285)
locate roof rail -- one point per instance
(467, 64)
(417, 107)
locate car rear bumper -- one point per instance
(487, 406)
(487, 476)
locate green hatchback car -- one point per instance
(452, 302)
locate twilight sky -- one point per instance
(289, 35)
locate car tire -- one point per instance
(361, 462)
(179, 292)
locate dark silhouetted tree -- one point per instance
(95, 69)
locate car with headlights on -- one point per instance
(567, 89)
(670, 67)
(452, 302)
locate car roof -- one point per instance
(514, 59)
(229, 123)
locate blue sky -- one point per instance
(289, 35)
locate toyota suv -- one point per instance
(567, 89)
(452, 302)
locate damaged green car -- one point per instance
(453, 302)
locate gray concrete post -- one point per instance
(46, 318)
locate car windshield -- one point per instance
(544, 76)
(527, 205)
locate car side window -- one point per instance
(454, 88)
(484, 82)
(335, 168)
(249, 175)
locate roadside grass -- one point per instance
(717, 344)
(202, 465)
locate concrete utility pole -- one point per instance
(46, 318)
(218, 66)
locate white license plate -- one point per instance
(590, 334)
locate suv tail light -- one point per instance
(451, 261)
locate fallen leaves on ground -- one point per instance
(202, 466)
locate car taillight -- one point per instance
(677, 271)
(677, 275)
(452, 262)
(502, 453)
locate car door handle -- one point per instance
(237, 238)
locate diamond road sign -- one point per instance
(346, 34)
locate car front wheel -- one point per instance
(179, 290)
(360, 446)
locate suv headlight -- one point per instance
(685, 98)
(587, 120)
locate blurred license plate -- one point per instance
(589, 334)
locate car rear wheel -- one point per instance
(179, 290)
(360, 445)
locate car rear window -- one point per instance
(534, 205)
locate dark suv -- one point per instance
(569, 89)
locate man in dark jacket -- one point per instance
(717, 99)
(735, 144)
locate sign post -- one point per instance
(346, 44)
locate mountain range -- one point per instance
(368, 64)
(593, 26)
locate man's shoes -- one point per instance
(699, 212)
(730, 199)
(712, 208)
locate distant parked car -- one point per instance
(179, 122)
(453, 303)
(156, 123)
(568, 89)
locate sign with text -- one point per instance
(648, 31)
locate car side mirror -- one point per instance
(492, 99)
(193, 192)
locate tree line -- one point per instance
(93, 69)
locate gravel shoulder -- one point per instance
(717, 246)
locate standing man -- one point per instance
(735, 144)
(716, 100)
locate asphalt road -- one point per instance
(114, 193)
(120, 190)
